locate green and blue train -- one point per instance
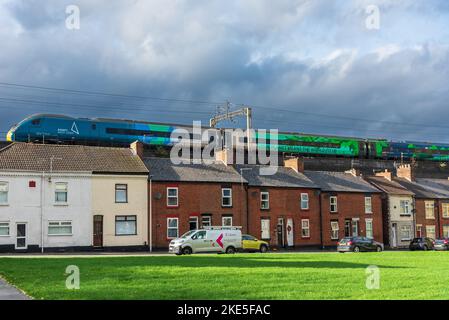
(64, 129)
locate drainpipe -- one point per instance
(321, 220)
(42, 210)
(150, 231)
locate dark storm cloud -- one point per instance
(303, 56)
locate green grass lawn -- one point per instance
(404, 275)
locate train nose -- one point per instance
(10, 136)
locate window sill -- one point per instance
(368, 213)
(305, 238)
(172, 207)
(333, 211)
(405, 215)
(4, 204)
(304, 209)
(121, 202)
(226, 206)
(5, 235)
(60, 235)
(61, 204)
(125, 235)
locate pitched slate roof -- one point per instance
(20, 156)
(332, 181)
(427, 188)
(162, 169)
(390, 187)
(284, 177)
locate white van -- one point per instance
(209, 239)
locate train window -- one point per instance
(94, 126)
(36, 122)
(136, 132)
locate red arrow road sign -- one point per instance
(219, 240)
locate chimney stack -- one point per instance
(386, 174)
(224, 155)
(295, 163)
(137, 148)
(354, 172)
(405, 171)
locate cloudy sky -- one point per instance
(307, 66)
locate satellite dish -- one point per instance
(158, 196)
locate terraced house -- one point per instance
(58, 197)
(188, 196)
(284, 207)
(349, 205)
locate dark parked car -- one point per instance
(422, 244)
(441, 244)
(357, 244)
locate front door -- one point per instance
(280, 231)
(394, 240)
(21, 237)
(265, 226)
(290, 233)
(98, 231)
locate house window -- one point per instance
(172, 228)
(446, 231)
(264, 200)
(405, 207)
(430, 232)
(355, 228)
(419, 231)
(172, 197)
(369, 228)
(430, 209)
(333, 204)
(4, 229)
(445, 210)
(347, 228)
(368, 206)
(4, 192)
(226, 197)
(334, 230)
(61, 192)
(406, 233)
(304, 201)
(226, 221)
(206, 221)
(125, 225)
(305, 228)
(121, 193)
(193, 223)
(60, 228)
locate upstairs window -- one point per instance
(121, 193)
(304, 201)
(4, 188)
(61, 189)
(405, 207)
(368, 205)
(264, 200)
(333, 204)
(172, 197)
(430, 209)
(445, 210)
(226, 197)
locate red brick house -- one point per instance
(350, 206)
(191, 196)
(283, 207)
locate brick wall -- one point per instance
(351, 205)
(285, 203)
(195, 199)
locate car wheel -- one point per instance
(379, 249)
(263, 248)
(356, 249)
(187, 250)
(230, 250)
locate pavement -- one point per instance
(8, 292)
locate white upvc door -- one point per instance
(265, 228)
(21, 236)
